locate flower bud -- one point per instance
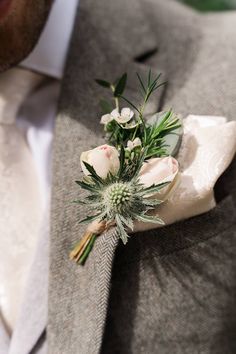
(103, 159)
(160, 170)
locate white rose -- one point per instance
(104, 159)
(160, 170)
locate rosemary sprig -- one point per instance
(152, 136)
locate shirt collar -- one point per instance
(49, 55)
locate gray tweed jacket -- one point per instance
(171, 290)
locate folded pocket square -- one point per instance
(207, 149)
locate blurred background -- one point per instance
(211, 5)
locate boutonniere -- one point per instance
(134, 172)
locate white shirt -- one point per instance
(36, 116)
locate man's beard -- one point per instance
(20, 31)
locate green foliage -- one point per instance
(103, 83)
(117, 89)
(152, 136)
(120, 86)
(211, 5)
(156, 133)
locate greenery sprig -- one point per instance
(119, 198)
(152, 135)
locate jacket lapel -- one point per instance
(106, 38)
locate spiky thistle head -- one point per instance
(121, 202)
(118, 197)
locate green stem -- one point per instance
(143, 122)
(116, 99)
(87, 250)
(117, 103)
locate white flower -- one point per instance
(103, 159)
(106, 118)
(160, 170)
(131, 125)
(122, 117)
(132, 144)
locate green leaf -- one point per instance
(79, 202)
(149, 76)
(93, 197)
(91, 218)
(120, 86)
(151, 202)
(164, 134)
(149, 218)
(88, 187)
(153, 189)
(103, 83)
(127, 221)
(93, 173)
(173, 141)
(141, 82)
(140, 163)
(122, 161)
(130, 103)
(121, 230)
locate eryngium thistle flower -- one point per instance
(120, 202)
(118, 197)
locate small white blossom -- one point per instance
(122, 117)
(125, 116)
(132, 144)
(106, 118)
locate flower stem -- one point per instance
(87, 250)
(116, 99)
(81, 248)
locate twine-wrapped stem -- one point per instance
(83, 248)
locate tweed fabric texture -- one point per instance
(171, 290)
